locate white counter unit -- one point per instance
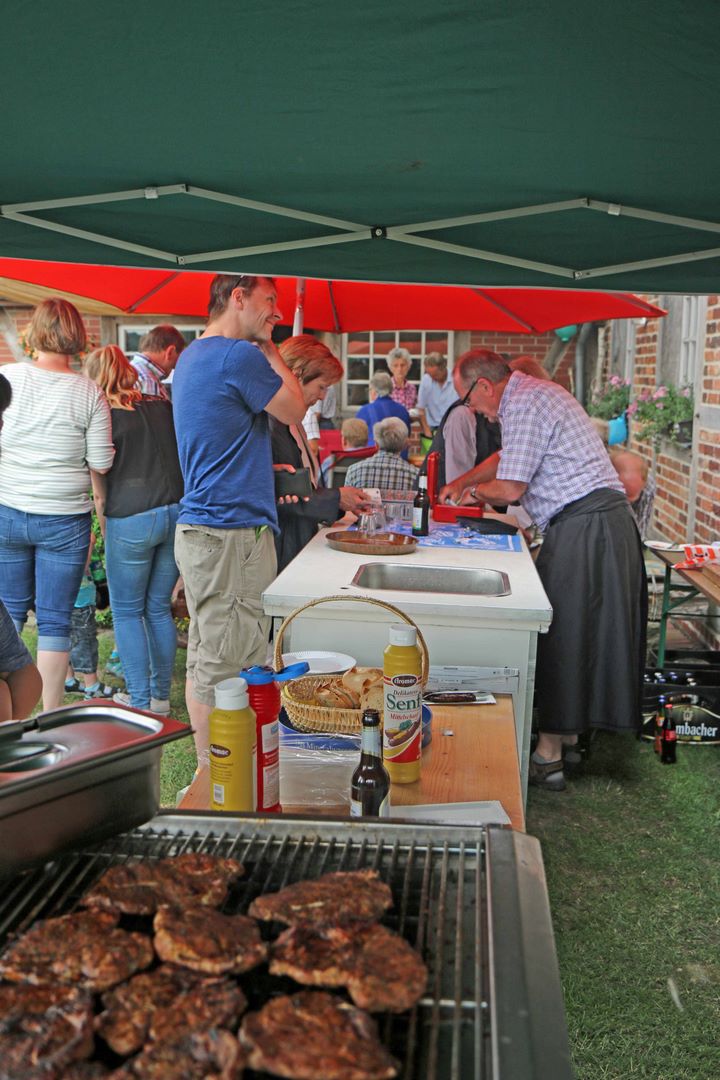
(485, 631)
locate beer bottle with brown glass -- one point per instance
(421, 509)
(370, 785)
(659, 721)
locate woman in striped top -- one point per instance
(55, 431)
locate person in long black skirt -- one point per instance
(590, 663)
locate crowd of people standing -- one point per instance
(188, 487)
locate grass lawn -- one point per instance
(633, 870)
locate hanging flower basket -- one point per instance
(664, 413)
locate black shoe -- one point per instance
(547, 774)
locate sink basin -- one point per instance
(467, 581)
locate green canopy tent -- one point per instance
(468, 142)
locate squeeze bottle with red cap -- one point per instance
(264, 695)
(232, 748)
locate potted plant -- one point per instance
(612, 400)
(664, 413)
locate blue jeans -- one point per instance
(42, 557)
(141, 573)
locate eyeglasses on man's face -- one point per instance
(473, 384)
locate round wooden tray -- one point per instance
(379, 544)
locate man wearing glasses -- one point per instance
(590, 663)
(464, 437)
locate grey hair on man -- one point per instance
(436, 361)
(481, 364)
(391, 434)
(381, 383)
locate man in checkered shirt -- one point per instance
(590, 664)
(385, 469)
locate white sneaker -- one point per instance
(161, 706)
(122, 699)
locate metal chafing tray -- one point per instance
(472, 900)
(75, 775)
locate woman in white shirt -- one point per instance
(55, 431)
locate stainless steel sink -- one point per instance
(432, 579)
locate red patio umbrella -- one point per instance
(340, 306)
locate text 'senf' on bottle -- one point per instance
(421, 509)
(370, 785)
(668, 752)
(402, 702)
(233, 748)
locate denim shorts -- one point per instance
(42, 557)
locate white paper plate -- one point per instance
(321, 663)
(663, 545)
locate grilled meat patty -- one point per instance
(43, 1029)
(315, 1036)
(149, 1005)
(208, 941)
(84, 1070)
(330, 900)
(209, 1055)
(187, 880)
(381, 971)
(86, 949)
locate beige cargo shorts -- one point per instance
(225, 573)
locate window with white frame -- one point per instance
(365, 353)
(131, 334)
(692, 337)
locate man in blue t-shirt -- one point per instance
(226, 384)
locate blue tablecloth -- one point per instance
(454, 536)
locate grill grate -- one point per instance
(436, 877)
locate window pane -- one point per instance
(132, 341)
(436, 341)
(358, 368)
(383, 342)
(380, 365)
(357, 395)
(412, 341)
(415, 372)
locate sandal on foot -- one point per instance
(72, 686)
(99, 690)
(572, 755)
(547, 774)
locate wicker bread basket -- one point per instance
(297, 695)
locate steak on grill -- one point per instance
(208, 941)
(330, 900)
(149, 1005)
(315, 1036)
(42, 1029)
(381, 971)
(84, 1070)
(86, 949)
(208, 1055)
(187, 880)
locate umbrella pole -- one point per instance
(299, 317)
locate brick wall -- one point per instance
(20, 317)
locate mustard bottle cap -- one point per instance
(402, 634)
(231, 694)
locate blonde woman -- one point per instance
(55, 430)
(137, 503)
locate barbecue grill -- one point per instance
(472, 900)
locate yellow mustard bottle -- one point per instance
(233, 748)
(402, 692)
